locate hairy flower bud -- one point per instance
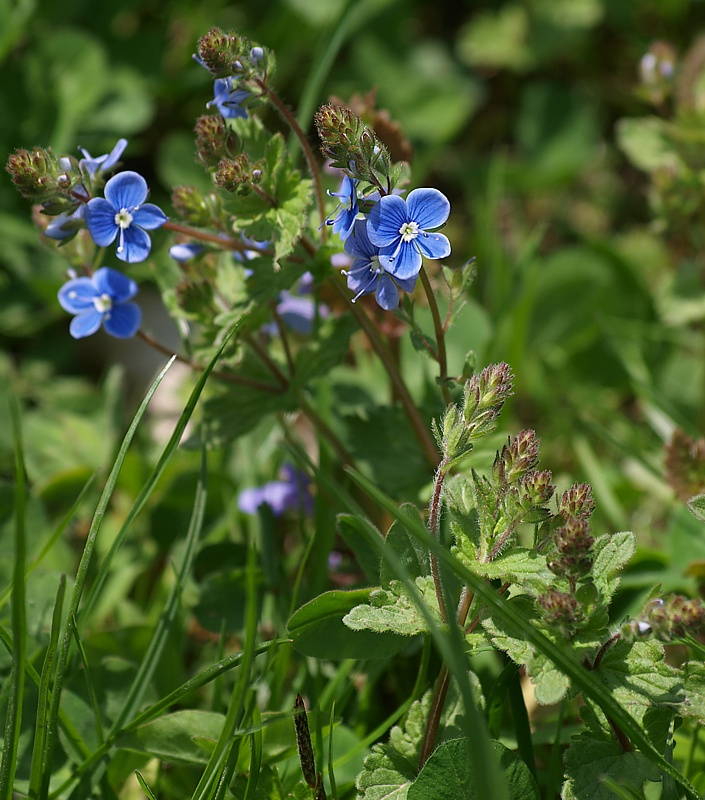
(38, 174)
(484, 396)
(215, 141)
(220, 52)
(559, 609)
(572, 545)
(577, 502)
(237, 174)
(192, 207)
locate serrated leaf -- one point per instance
(317, 629)
(448, 774)
(588, 761)
(394, 610)
(413, 555)
(696, 505)
(693, 706)
(521, 566)
(612, 552)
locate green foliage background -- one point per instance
(528, 115)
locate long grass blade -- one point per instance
(13, 720)
(40, 769)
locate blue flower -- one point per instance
(293, 493)
(402, 230)
(367, 274)
(228, 98)
(65, 225)
(102, 163)
(347, 209)
(103, 299)
(124, 214)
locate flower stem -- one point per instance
(323, 428)
(267, 361)
(290, 119)
(227, 377)
(195, 233)
(418, 425)
(434, 519)
(441, 356)
(284, 340)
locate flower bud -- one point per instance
(237, 174)
(484, 396)
(220, 52)
(38, 174)
(192, 207)
(214, 140)
(577, 502)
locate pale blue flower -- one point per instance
(124, 215)
(103, 299)
(403, 230)
(293, 493)
(366, 274)
(102, 163)
(228, 98)
(347, 210)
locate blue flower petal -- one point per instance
(359, 244)
(64, 225)
(185, 251)
(85, 324)
(76, 296)
(123, 321)
(114, 155)
(403, 261)
(429, 208)
(387, 294)
(407, 284)
(126, 190)
(100, 218)
(385, 220)
(433, 245)
(361, 278)
(343, 223)
(149, 217)
(136, 245)
(297, 313)
(117, 286)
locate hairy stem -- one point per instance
(439, 330)
(290, 119)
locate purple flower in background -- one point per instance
(366, 274)
(402, 230)
(103, 299)
(102, 163)
(185, 252)
(124, 215)
(293, 493)
(347, 209)
(228, 99)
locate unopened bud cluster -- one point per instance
(572, 550)
(351, 145)
(560, 610)
(483, 398)
(671, 617)
(40, 176)
(194, 208)
(226, 54)
(215, 141)
(238, 174)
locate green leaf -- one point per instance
(646, 145)
(328, 349)
(350, 528)
(394, 610)
(448, 774)
(524, 567)
(317, 629)
(181, 737)
(696, 505)
(612, 552)
(412, 554)
(588, 761)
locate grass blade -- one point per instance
(13, 720)
(40, 769)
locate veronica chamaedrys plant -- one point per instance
(103, 299)
(123, 215)
(347, 210)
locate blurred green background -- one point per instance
(578, 188)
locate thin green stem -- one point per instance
(323, 428)
(222, 376)
(263, 355)
(418, 425)
(441, 355)
(284, 337)
(291, 121)
(226, 242)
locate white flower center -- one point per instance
(123, 218)
(409, 231)
(103, 304)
